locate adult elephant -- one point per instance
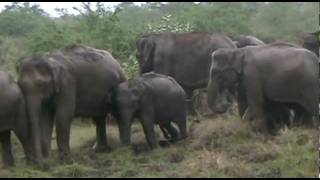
(243, 41)
(276, 111)
(276, 73)
(76, 81)
(13, 117)
(184, 56)
(311, 42)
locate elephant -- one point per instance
(277, 73)
(13, 117)
(153, 99)
(184, 56)
(311, 42)
(243, 41)
(277, 112)
(76, 81)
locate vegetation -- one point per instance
(27, 29)
(218, 147)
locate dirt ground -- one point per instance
(217, 147)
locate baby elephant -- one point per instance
(154, 99)
(12, 117)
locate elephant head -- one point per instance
(129, 99)
(243, 41)
(39, 79)
(225, 73)
(145, 47)
(311, 42)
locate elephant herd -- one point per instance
(274, 84)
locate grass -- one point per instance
(218, 147)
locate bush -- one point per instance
(166, 24)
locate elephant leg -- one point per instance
(5, 139)
(271, 122)
(307, 119)
(22, 135)
(63, 125)
(242, 103)
(46, 128)
(302, 117)
(190, 105)
(182, 125)
(148, 120)
(63, 120)
(278, 116)
(64, 112)
(101, 136)
(165, 132)
(148, 130)
(256, 104)
(172, 131)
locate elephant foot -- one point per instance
(140, 148)
(66, 158)
(164, 143)
(210, 115)
(44, 166)
(102, 149)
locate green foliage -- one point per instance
(27, 29)
(19, 20)
(131, 66)
(166, 24)
(50, 37)
(285, 21)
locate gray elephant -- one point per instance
(154, 99)
(243, 41)
(184, 56)
(276, 74)
(278, 113)
(311, 42)
(76, 81)
(13, 118)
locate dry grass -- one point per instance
(218, 147)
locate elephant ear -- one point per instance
(146, 47)
(141, 89)
(137, 87)
(237, 60)
(55, 70)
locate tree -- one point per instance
(20, 19)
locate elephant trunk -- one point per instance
(33, 109)
(125, 129)
(216, 100)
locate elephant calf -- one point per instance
(12, 117)
(155, 99)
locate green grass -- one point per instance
(218, 147)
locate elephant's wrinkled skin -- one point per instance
(276, 73)
(184, 56)
(74, 82)
(243, 41)
(154, 99)
(13, 118)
